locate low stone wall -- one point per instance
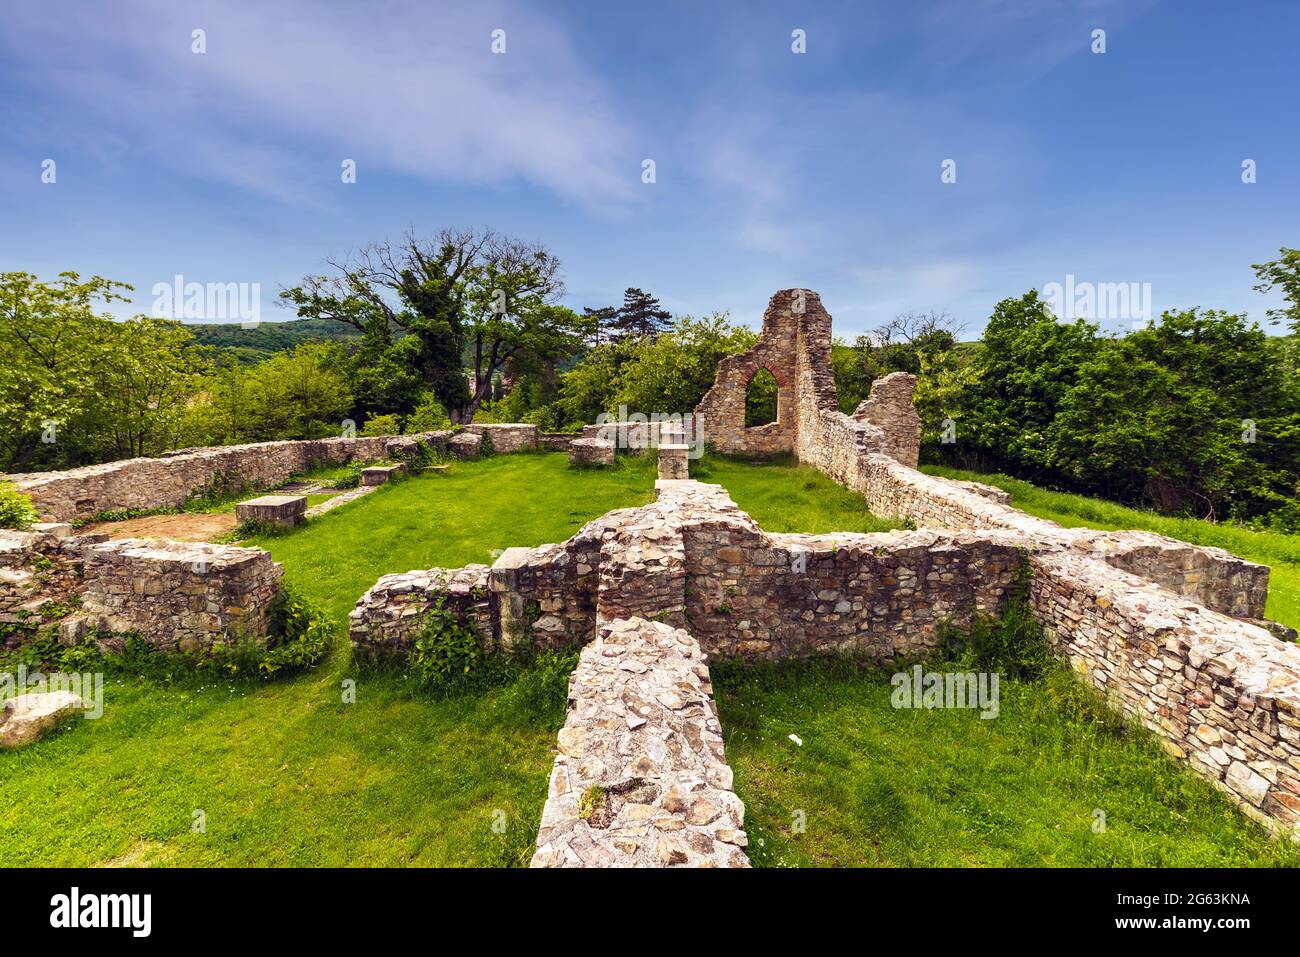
(1222, 694)
(555, 441)
(175, 595)
(882, 596)
(178, 595)
(171, 480)
(395, 607)
(507, 438)
(640, 777)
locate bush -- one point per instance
(1012, 644)
(429, 416)
(16, 509)
(447, 655)
(381, 425)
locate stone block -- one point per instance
(28, 717)
(284, 511)
(381, 474)
(591, 453)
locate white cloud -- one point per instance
(286, 91)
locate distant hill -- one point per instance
(259, 342)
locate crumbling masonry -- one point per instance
(1173, 634)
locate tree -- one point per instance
(428, 306)
(143, 383)
(1188, 414)
(597, 323)
(1284, 273)
(50, 343)
(640, 316)
(1028, 362)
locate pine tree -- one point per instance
(640, 316)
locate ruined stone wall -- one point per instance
(169, 481)
(640, 776)
(882, 596)
(507, 437)
(175, 595)
(1221, 694)
(396, 606)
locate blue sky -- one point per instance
(774, 169)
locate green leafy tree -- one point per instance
(51, 340)
(1284, 274)
(1028, 362)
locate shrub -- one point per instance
(1012, 644)
(16, 509)
(429, 416)
(381, 425)
(486, 449)
(448, 655)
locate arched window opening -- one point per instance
(760, 399)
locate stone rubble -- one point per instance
(28, 717)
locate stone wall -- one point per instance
(169, 481)
(507, 437)
(640, 777)
(875, 452)
(1221, 694)
(178, 595)
(175, 595)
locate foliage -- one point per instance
(1012, 644)
(428, 416)
(16, 509)
(1283, 273)
(760, 399)
(381, 425)
(447, 655)
(78, 387)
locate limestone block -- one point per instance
(381, 474)
(284, 511)
(28, 717)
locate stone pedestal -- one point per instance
(286, 511)
(591, 453)
(381, 474)
(465, 445)
(673, 461)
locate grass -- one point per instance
(879, 786)
(785, 497)
(1276, 549)
(285, 773)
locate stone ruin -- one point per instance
(1172, 634)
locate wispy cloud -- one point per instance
(288, 90)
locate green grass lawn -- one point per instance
(1278, 550)
(879, 786)
(285, 773)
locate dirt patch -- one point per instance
(185, 527)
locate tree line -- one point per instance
(1196, 413)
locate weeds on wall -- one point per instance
(449, 657)
(299, 637)
(1012, 644)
